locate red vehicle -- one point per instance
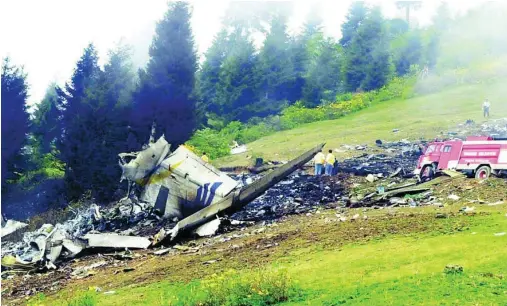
(480, 156)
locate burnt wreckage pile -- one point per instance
(300, 193)
(396, 157)
(180, 193)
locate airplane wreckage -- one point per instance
(177, 185)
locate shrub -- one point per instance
(210, 141)
(260, 287)
(216, 142)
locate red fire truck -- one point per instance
(480, 156)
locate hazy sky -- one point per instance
(48, 36)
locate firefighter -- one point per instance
(485, 108)
(330, 160)
(319, 161)
(204, 157)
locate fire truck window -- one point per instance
(430, 149)
(447, 149)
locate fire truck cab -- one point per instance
(479, 156)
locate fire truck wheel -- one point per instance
(483, 172)
(427, 173)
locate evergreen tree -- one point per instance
(355, 17)
(15, 122)
(166, 94)
(431, 50)
(209, 74)
(407, 6)
(275, 69)
(368, 62)
(95, 119)
(46, 125)
(79, 139)
(304, 53)
(238, 80)
(323, 78)
(298, 54)
(409, 53)
(313, 24)
(378, 68)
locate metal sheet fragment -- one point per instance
(117, 241)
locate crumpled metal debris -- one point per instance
(208, 229)
(195, 190)
(11, 226)
(109, 240)
(145, 161)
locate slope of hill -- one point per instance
(387, 256)
(424, 116)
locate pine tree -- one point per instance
(46, 125)
(378, 68)
(275, 69)
(78, 143)
(368, 63)
(323, 78)
(355, 17)
(209, 74)
(166, 94)
(95, 120)
(299, 61)
(238, 80)
(15, 122)
(409, 53)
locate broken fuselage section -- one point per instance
(181, 185)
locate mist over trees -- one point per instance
(77, 130)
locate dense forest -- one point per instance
(69, 145)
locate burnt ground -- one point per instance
(262, 243)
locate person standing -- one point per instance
(485, 108)
(204, 157)
(319, 161)
(330, 159)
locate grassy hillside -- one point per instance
(396, 257)
(424, 116)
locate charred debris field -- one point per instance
(446, 236)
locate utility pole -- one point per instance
(408, 5)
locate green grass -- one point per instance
(390, 270)
(410, 270)
(424, 116)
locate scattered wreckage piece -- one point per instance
(145, 161)
(238, 149)
(11, 226)
(392, 195)
(117, 241)
(208, 229)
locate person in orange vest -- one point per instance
(319, 161)
(330, 160)
(204, 157)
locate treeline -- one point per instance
(77, 130)
(238, 82)
(72, 139)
